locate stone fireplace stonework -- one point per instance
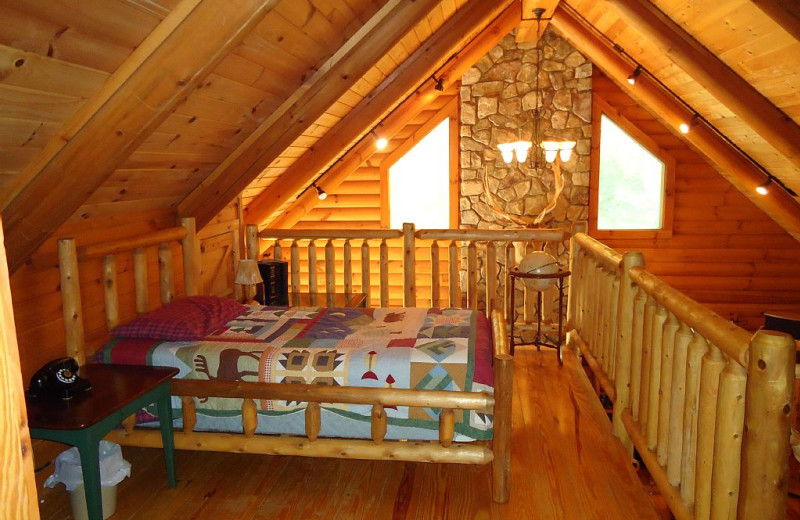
(497, 102)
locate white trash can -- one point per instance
(68, 471)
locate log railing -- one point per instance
(453, 255)
(706, 404)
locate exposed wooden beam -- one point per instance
(785, 13)
(732, 165)
(453, 35)
(722, 82)
(527, 26)
(159, 74)
(272, 137)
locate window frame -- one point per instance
(601, 108)
(451, 112)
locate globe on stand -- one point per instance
(538, 263)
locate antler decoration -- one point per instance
(520, 219)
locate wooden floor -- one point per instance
(565, 465)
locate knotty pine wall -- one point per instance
(35, 288)
(724, 252)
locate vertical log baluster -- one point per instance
(166, 284)
(510, 256)
(312, 271)
(330, 272)
(453, 278)
(313, 421)
(140, 279)
(647, 342)
(348, 268)
(491, 276)
(713, 365)
(622, 380)
(378, 423)
(277, 251)
(676, 404)
(550, 295)
(529, 294)
(613, 323)
(446, 427)
(656, 342)
(665, 387)
(694, 360)
(249, 417)
(295, 253)
(188, 413)
(110, 294)
(409, 266)
(365, 271)
(636, 352)
(728, 442)
(384, 256)
(472, 275)
(604, 324)
(435, 284)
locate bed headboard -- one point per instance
(70, 255)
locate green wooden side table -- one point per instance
(117, 392)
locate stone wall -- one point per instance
(497, 102)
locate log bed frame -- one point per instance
(497, 452)
(706, 404)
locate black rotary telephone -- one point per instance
(58, 379)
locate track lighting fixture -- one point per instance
(685, 128)
(439, 83)
(380, 142)
(635, 74)
(763, 188)
(321, 194)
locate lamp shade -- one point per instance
(247, 272)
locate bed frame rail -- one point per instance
(706, 404)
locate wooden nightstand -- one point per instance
(117, 392)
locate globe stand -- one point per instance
(541, 340)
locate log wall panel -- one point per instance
(724, 252)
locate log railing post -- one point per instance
(728, 440)
(347, 258)
(676, 404)
(295, 272)
(140, 279)
(330, 271)
(665, 393)
(435, 274)
(623, 348)
(472, 275)
(191, 258)
(490, 270)
(768, 406)
(110, 293)
(409, 266)
(453, 277)
(384, 273)
(365, 271)
(166, 285)
(501, 442)
(694, 359)
(713, 365)
(312, 271)
(71, 294)
(251, 235)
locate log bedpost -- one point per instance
(768, 406)
(622, 369)
(71, 292)
(110, 295)
(503, 381)
(191, 258)
(140, 279)
(409, 266)
(165, 282)
(251, 247)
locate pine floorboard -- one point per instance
(565, 465)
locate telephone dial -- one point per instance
(58, 379)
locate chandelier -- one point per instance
(550, 147)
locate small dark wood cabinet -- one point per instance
(275, 289)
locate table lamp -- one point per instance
(247, 275)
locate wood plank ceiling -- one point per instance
(283, 89)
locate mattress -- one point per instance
(417, 348)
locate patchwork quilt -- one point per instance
(434, 349)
